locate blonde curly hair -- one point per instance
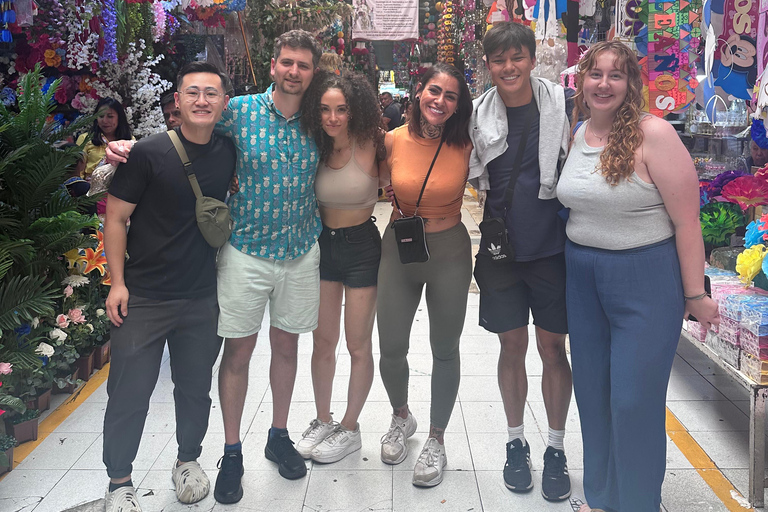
(617, 161)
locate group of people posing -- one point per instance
(309, 155)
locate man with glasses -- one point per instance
(166, 290)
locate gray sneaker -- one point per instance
(122, 499)
(338, 445)
(313, 436)
(428, 471)
(394, 448)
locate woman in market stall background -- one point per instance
(438, 131)
(635, 266)
(343, 115)
(110, 124)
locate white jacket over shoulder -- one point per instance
(488, 130)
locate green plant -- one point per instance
(6, 443)
(27, 415)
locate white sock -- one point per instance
(516, 433)
(556, 438)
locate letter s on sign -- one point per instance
(665, 103)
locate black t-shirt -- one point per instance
(393, 113)
(534, 227)
(168, 258)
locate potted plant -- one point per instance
(7, 444)
(24, 426)
(62, 362)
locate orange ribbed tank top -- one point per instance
(409, 162)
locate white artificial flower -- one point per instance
(100, 312)
(90, 327)
(57, 334)
(45, 349)
(35, 323)
(75, 281)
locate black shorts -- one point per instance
(509, 289)
(351, 255)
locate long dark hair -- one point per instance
(123, 131)
(456, 131)
(365, 114)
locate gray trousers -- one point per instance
(189, 326)
(446, 276)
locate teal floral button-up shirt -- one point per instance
(275, 212)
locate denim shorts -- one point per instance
(351, 255)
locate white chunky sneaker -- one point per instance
(340, 443)
(313, 436)
(192, 484)
(428, 471)
(123, 499)
(394, 448)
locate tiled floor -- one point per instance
(66, 471)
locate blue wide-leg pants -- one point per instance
(625, 311)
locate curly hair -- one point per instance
(364, 112)
(456, 130)
(617, 161)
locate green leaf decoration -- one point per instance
(719, 221)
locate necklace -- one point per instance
(596, 135)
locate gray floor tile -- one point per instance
(728, 387)
(681, 367)
(348, 491)
(692, 387)
(709, 416)
(675, 458)
(88, 485)
(497, 498)
(456, 449)
(21, 483)
(490, 417)
(728, 450)
(572, 422)
(685, 491)
(216, 423)
(88, 418)
(478, 388)
(20, 504)
(59, 451)
(457, 493)
(157, 492)
(368, 458)
(152, 445)
(489, 450)
(740, 479)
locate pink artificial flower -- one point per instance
(68, 291)
(62, 321)
(76, 315)
(6, 368)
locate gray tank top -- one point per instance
(624, 216)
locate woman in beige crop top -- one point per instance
(342, 114)
(441, 110)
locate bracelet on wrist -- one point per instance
(696, 297)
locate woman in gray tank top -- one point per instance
(635, 267)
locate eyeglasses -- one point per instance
(192, 94)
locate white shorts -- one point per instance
(246, 283)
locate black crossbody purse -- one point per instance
(409, 231)
(494, 241)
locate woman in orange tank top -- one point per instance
(342, 114)
(441, 112)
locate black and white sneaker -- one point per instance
(555, 482)
(517, 470)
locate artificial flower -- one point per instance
(94, 261)
(23, 330)
(719, 221)
(35, 323)
(89, 327)
(44, 349)
(6, 368)
(76, 315)
(52, 58)
(756, 231)
(62, 321)
(100, 237)
(750, 262)
(75, 281)
(107, 279)
(100, 312)
(57, 334)
(746, 191)
(68, 291)
(722, 179)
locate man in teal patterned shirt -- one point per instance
(272, 257)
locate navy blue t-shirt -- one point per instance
(533, 225)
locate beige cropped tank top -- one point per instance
(348, 188)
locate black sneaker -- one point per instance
(228, 487)
(555, 482)
(280, 449)
(517, 470)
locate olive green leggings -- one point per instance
(446, 275)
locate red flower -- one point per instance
(746, 191)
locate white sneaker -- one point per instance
(394, 448)
(313, 436)
(192, 484)
(428, 471)
(340, 443)
(123, 499)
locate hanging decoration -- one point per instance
(446, 46)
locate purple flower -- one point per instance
(722, 180)
(109, 26)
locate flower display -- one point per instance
(57, 334)
(756, 233)
(746, 191)
(722, 179)
(750, 262)
(6, 368)
(76, 315)
(62, 321)
(94, 261)
(68, 291)
(44, 349)
(75, 281)
(719, 221)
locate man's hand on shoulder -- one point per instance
(117, 304)
(117, 151)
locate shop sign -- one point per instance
(385, 20)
